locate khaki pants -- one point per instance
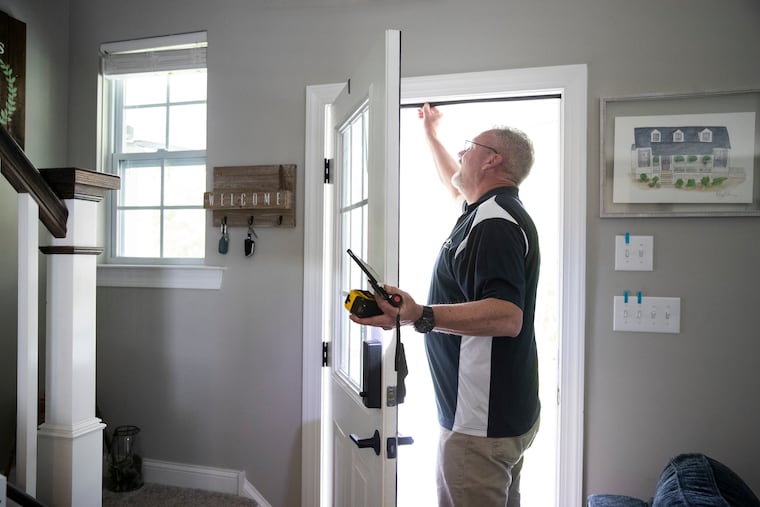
(479, 471)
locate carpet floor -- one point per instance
(159, 495)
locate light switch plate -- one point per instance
(635, 255)
(652, 315)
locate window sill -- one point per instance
(160, 277)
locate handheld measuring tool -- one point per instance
(362, 302)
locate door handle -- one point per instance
(405, 440)
(393, 443)
(363, 443)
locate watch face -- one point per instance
(426, 322)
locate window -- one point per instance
(353, 218)
(645, 158)
(678, 136)
(706, 136)
(720, 159)
(155, 113)
(656, 136)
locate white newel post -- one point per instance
(70, 441)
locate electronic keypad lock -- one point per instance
(372, 375)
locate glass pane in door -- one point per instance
(352, 216)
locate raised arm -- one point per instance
(445, 163)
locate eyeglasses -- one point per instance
(468, 146)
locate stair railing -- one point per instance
(36, 199)
(57, 197)
(25, 178)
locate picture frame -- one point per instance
(680, 155)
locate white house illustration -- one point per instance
(680, 153)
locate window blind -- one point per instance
(154, 54)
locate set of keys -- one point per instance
(249, 245)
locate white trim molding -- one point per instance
(573, 272)
(160, 277)
(317, 98)
(221, 480)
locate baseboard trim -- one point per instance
(183, 475)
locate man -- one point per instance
(478, 323)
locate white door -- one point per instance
(363, 213)
(571, 81)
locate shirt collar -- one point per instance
(513, 191)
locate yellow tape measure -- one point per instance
(362, 303)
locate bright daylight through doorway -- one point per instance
(427, 215)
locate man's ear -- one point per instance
(494, 160)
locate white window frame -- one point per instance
(352, 201)
(164, 53)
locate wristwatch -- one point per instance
(426, 322)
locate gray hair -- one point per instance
(517, 150)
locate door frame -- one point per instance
(571, 82)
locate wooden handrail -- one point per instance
(20, 497)
(25, 178)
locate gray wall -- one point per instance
(212, 377)
(47, 54)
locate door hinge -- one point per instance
(325, 353)
(328, 166)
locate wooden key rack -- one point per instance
(265, 192)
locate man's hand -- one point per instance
(445, 163)
(430, 117)
(408, 312)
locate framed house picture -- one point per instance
(680, 155)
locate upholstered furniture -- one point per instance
(689, 480)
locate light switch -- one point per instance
(651, 315)
(634, 253)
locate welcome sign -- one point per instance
(12, 76)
